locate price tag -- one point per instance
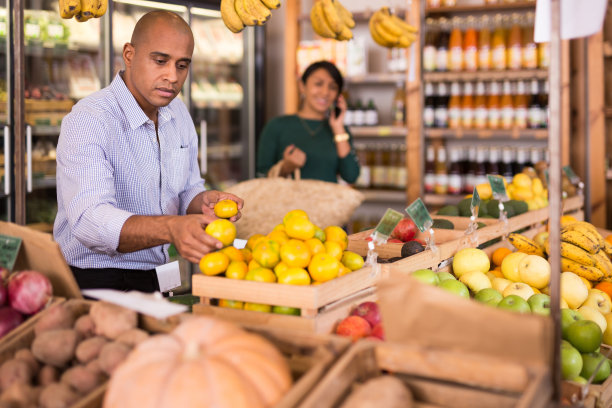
(168, 276)
(9, 249)
(419, 214)
(498, 187)
(387, 223)
(151, 304)
(573, 177)
(475, 204)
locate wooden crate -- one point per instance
(590, 396)
(437, 378)
(47, 105)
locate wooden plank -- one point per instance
(291, 42)
(414, 107)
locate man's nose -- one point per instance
(171, 73)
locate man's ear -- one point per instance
(128, 54)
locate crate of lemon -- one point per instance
(297, 276)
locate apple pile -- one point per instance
(362, 322)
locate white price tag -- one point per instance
(169, 276)
(151, 304)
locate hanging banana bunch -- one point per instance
(330, 19)
(82, 10)
(391, 31)
(237, 14)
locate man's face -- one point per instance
(158, 65)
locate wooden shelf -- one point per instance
(480, 7)
(377, 78)
(512, 75)
(383, 196)
(442, 199)
(608, 111)
(45, 130)
(531, 134)
(378, 131)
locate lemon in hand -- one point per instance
(223, 230)
(225, 209)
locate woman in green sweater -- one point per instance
(315, 140)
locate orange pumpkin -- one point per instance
(204, 362)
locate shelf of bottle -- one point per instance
(43, 183)
(377, 78)
(464, 76)
(472, 8)
(378, 131)
(514, 133)
(442, 199)
(380, 195)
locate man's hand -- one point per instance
(188, 236)
(211, 197)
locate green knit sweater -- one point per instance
(322, 161)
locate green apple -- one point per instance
(489, 296)
(579, 379)
(590, 363)
(475, 281)
(571, 362)
(590, 313)
(514, 303)
(573, 290)
(510, 266)
(445, 275)
(598, 300)
(568, 316)
(456, 287)
(286, 310)
(534, 271)
(539, 304)
(426, 276)
(470, 259)
(585, 335)
(520, 289)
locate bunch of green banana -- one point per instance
(330, 19)
(526, 245)
(391, 31)
(82, 10)
(237, 14)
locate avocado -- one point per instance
(411, 248)
(489, 243)
(482, 210)
(520, 207)
(451, 210)
(464, 207)
(443, 224)
(510, 208)
(493, 209)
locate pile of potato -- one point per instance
(77, 346)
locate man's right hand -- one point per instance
(188, 236)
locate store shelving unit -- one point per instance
(378, 131)
(495, 134)
(512, 75)
(472, 8)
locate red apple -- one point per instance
(354, 327)
(369, 311)
(420, 241)
(378, 331)
(405, 230)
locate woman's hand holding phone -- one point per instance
(336, 118)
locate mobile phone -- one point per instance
(337, 110)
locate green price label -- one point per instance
(573, 177)
(387, 223)
(498, 187)
(9, 249)
(419, 214)
(475, 200)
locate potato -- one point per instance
(55, 347)
(15, 371)
(77, 307)
(27, 356)
(132, 337)
(112, 320)
(57, 395)
(81, 379)
(111, 355)
(84, 325)
(384, 391)
(56, 317)
(94, 367)
(47, 375)
(22, 395)
(89, 349)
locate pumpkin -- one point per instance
(203, 362)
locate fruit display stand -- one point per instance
(590, 396)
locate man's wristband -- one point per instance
(341, 137)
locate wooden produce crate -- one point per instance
(321, 306)
(590, 396)
(48, 105)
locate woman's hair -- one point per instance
(329, 67)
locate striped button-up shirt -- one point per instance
(111, 166)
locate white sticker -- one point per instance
(150, 304)
(169, 276)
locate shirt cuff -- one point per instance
(110, 228)
(188, 196)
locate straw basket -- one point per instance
(267, 200)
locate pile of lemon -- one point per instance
(528, 189)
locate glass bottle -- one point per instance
(429, 180)
(398, 109)
(429, 47)
(535, 109)
(498, 45)
(363, 181)
(522, 157)
(429, 106)
(520, 106)
(371, 163)
(493, 107)
(467, 106)
(455, 180)
(484, 44)
(470, 177)
(492, 163)
(515, 44)
(371, 114)
(402, 171)
(454, 107)
(348, 114)
(442, 50)
(388, 176)
(530, 48)
(359, 114)
(543, 97)
(480, 175)
(441, 170)
(505, 168)
(455, 44)
(378, 171)
(480, 107)
(441, 111)
(470, 46)
(543, 55)
(507, 107)
(534, 156)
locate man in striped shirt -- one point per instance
(128, 180)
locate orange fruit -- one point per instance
(253, 240)
(257, 307)
(295, 213)
(334, 249)
(499, 254)
(261, 275)
(337, 234)
(294, 276)
(567, 219)
(278, 236)
(214, 263)
(295, 254)
(324, 267)
(223, 230)
(315, 246)
(352, 260)
(279, 227)
(300, 228)
(280, 268)
(319, 234)
(253, 264)
(225, 209)
(233, 253)
(609, 239)
(497, 272)
(266, 253)
(247, 254)
(232, 304)
(236, 270)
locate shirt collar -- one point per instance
(132, 111)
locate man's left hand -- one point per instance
(212, 197)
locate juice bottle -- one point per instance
(515, 46)
(429, 179)
(455, 44)
(434, 3)
(470, 46)
(467, 106)
(398, 109)
(484, 45)
(543, 97)
(520, 106)
(430, 106)
(530, 48)
(455, 181)
(543, 55)
(492, 164)
(481, 110)
(378, 170)
(498, 45)
(442, 50)
(505, 168)
(441, 172)
(534, 115)
(507, 107)
(389, 167)
(470, 177)
(363, 180)
(454, 107)
(480, 176)
(429, 48)
(441, 110)
(401, 173)
(493, 106)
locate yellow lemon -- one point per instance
(261, 275)
(214, 263)
(266, 253)
(334, 249)
(247, 254)
(337, 234)
(537, 187)
(352, 260)
(522, 180)
(315, 246)
(286, 310)
(279, 227)
(295, 254)
(523, 194)
(236, 270)
(484, 191)
(280, 268)
(233, 253)
(226, 209)
(232, 304)
(257, 307)
(253, 240)
(324, 267)
(223, 230)
(278, 236)
(295, 213)
(294, 276)
(300, 228)
(253, 264)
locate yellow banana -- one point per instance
(382, 32)
(404, 41)
(230, 17)
(271, 4)
(580, 239)
(87, 8)
(345, 15)
(319, 24)
(575, 253)
(68, 8)
(603, 262)
(345, 35)
(407, 27)
(587, 229)
(81, 18)
(258, 10)
(588, 272)
(102, 5)
(331, 16)
(387, 23)
(246, 18)
(376, 37)
(526, 245)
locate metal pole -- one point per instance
(19, 111)
(554, 189)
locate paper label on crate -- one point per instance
(498, 187)
(475, 204)
(169, 276)
(387, 223)
(573, 177)
(419, 214)
(9, 249)
(151, 304)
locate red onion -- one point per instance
(29, 291)
(9, 319)
(3, 293)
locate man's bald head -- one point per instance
(149, 25)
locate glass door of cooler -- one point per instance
(64, 62)
(6, 157)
